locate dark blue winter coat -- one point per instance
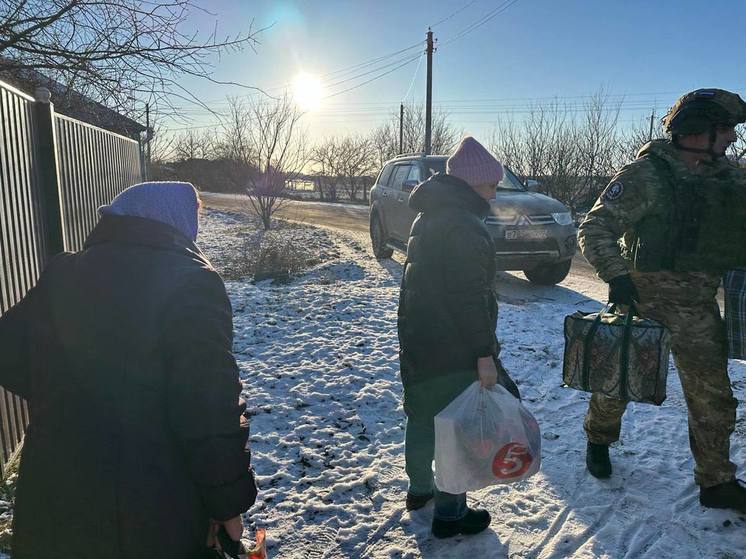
(123, 351)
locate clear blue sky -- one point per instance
(648, 51)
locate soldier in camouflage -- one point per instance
(651, 239)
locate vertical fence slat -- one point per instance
(15, 270)
(6, 282)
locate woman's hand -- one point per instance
(487, 371)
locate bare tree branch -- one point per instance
(114, 51)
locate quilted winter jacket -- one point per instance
(136, 439)
(447, 309)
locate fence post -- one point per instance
(46, 144)
(144, 170)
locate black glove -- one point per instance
(229, 546)
(622, 291)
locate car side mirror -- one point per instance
(532, 185)
(409, 185)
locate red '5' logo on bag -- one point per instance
(512, 460)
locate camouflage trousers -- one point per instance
(685, 303)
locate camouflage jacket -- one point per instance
(658, 215)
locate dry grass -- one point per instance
(268, 255)
(7, 495)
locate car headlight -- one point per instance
(563, 218)
(501, 218)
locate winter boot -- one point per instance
(597, 460)
(416, 502)
(475, 521)
(730, 495)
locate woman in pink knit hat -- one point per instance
(447, 318)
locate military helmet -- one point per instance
(698, 111)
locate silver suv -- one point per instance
(532, 232)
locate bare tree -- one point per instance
(571, 157)
(161, 144)
(113, 51)
(543, 146)
(738, 148)
(326, 157)
(268, 148)
(194, 145)
(560, 170)
(385, 138)
(507, 143)
(598, 146)
(384, 144)
(632, 139)
(356, 165)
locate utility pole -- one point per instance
(429, 101)
(652, 118)
(401, 128)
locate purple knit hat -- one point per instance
(173, 203)
(472, 163)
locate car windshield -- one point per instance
(509, 182)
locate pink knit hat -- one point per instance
(472, 163)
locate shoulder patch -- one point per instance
(613, 191)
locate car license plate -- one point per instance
(526, 234)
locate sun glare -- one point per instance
(307, 91)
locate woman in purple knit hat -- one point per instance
(447, 318)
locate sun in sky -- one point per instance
(307, 91)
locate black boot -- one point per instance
(475, 521)
(416, 502)
(597, 460)
(730, 495)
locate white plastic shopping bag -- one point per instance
(485, 437)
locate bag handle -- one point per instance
(624, 354)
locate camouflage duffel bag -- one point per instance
(734, 286)
(622, 356)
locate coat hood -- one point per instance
(141, 231)
(441, 192)
(174, 203)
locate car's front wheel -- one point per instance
(549, 274)
(378, 239)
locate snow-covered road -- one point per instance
(318, 359)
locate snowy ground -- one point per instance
(319, 363)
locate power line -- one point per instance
(489, 16)
(414, 77)
(454, 13)
(373, 79)
(374, 70)
(572, 104)
(354, 67)
(339, 72)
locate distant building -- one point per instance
(300, 184)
